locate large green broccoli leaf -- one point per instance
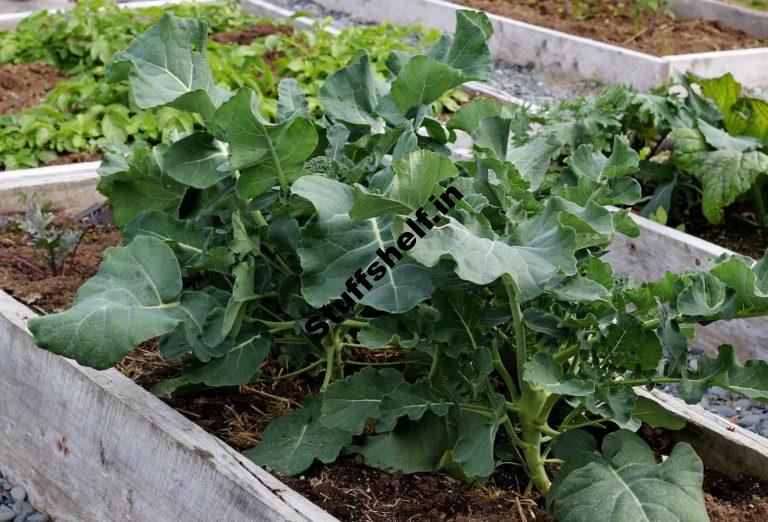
(167, 65)
(266, 154)
(625, 483)
(451, 62)
(334, 247)
(537, 251)
(133, 183)
(136, 295)
(415, 178)
(291, 443)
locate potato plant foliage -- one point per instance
(511, 332)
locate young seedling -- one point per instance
(58, 242)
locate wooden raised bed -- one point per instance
(572, 57)
(92, 445)
(751, 21)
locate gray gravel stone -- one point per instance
(18, 494)
(751, 420)
(720, 392)
(750, 415)
(23, 508)
(742, 404)
(725, 411)
(14, 506)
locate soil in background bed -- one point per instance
(618, 28)
(50, 293)
(25, 84)
(347, 489)
(75, 157)
(732, 233)
(249, 34)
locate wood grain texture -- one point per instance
(93, 446)
(721, 444)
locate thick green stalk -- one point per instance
(533, 457)
(757, 194)
(521, 354)
(333, 363)
(436, 362)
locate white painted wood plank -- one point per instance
(93, 446)
(523, 44)
(71, 188)
(751, 21)
(748, 66)
(721, 444)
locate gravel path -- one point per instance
(528, 83)
(748, 414)
(14, 506)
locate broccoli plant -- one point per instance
(704, 142)
(481, 279)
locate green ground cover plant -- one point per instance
(506, 332)
(83, 113)
(702, 142)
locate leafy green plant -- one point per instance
(484, 277)
(57, 240)
(82, 113)
(703, 142)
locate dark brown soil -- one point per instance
(741, 499)
(25, 84)
(49, 293)
(611, 22)
(75, 157)
(347, 489)
(249, 34)
(733, 233)
(350, 490)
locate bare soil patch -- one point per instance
(249, 34)
(49, 293)
(75, 157)
(25, 84)
(611, 22)
(733, 233)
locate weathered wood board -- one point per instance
(93, 446)
(71, 188)
(721, 444)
